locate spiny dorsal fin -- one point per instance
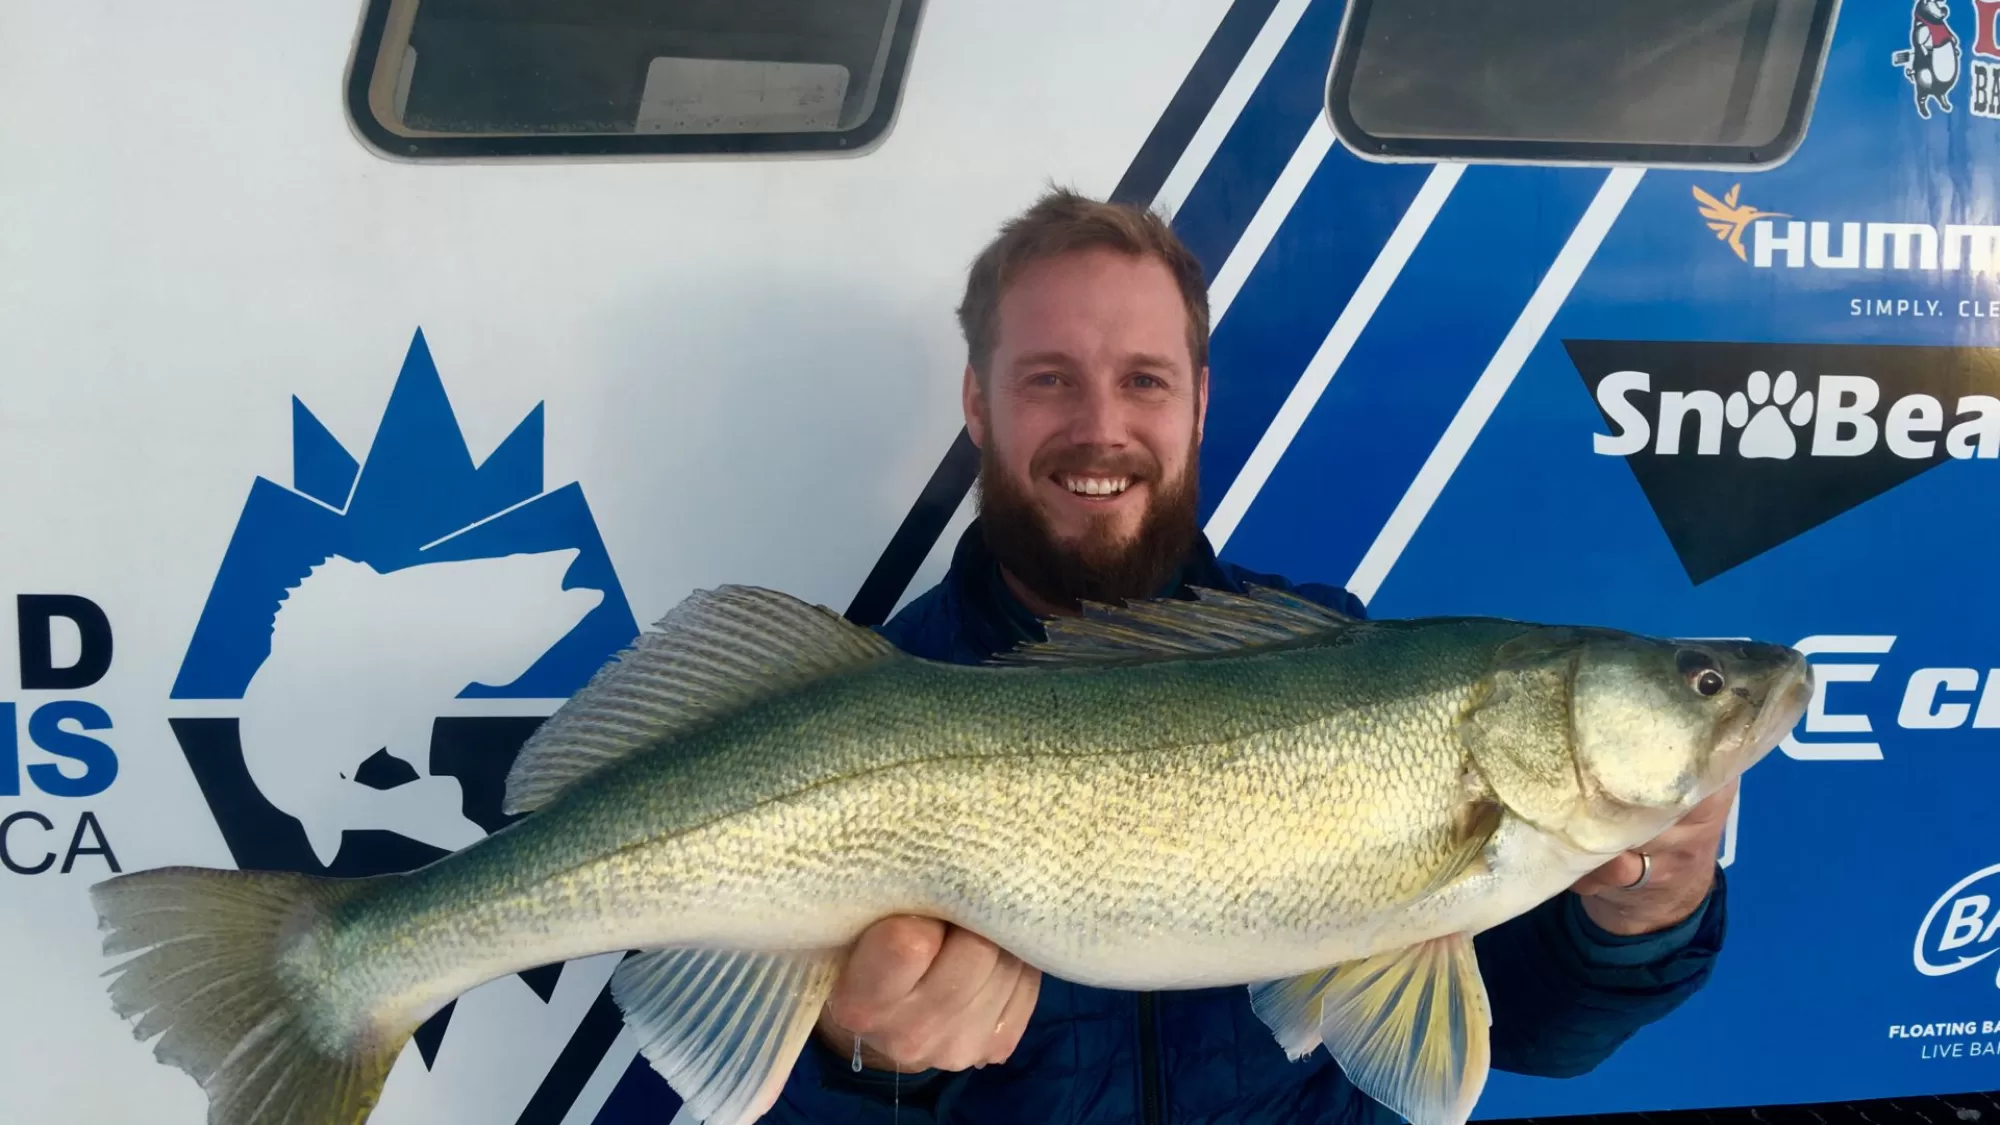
(714, 652)
(1217, 621)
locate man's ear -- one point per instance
(973, 401)
(1200, 402)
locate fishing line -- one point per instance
(854, 1064)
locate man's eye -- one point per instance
(1147, 382)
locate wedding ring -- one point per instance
(1645, 873)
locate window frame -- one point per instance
(862, 138)
(1402, 150)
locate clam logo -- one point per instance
(1962, 928)
(382, 635)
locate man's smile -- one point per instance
(1094, 487)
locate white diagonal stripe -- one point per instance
(1361, 306)
(1312, 148)
(604, 1080)
(1728, 855)
(1494, 381)
(1229, 104)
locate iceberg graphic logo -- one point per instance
(356, 613)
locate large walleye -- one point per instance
(1235, 790)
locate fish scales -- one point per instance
(1096, 817)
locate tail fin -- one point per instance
(210, 982)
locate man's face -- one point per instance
(1088, 428)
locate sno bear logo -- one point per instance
(1766, 433)
(1931, 63)
(1742, 446)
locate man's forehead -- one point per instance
(1087, 304)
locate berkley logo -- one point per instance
(1934, 62)
(1740, 447)
(1846, 245)
(1962, 928)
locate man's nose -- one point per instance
(1099, 418)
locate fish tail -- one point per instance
(222, 971)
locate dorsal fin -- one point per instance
(1217, 621)
(713, 653)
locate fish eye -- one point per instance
(1699, 671)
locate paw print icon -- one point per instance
(1768, 433)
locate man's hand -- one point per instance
(1683, 871)
(921, 993)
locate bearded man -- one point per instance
(1085, 389)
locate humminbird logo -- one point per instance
(1776, 240)
(1741, 447)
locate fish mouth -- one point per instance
(1788, 691)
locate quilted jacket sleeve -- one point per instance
(1566, 994)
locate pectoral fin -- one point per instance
(723, 1028)
(1409, 1028)
(1477, 822)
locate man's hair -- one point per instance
(1060, 222)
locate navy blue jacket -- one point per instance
(1564, 993)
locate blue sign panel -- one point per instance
(1708, 403)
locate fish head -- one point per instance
(1661, 724)
(1606, 738)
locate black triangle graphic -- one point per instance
(1733, 479)
(430, 1036)
(542, 979)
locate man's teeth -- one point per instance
(1097, 486)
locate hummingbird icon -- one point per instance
(1728, 219)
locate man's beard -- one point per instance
(1096, 567)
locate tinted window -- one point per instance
(555, 77)
(1694, 81)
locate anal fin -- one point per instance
(1410, 1028)
(724, 1028)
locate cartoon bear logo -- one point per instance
(1931, 63)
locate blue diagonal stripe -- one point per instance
(1289, 301)
(1410, 369)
